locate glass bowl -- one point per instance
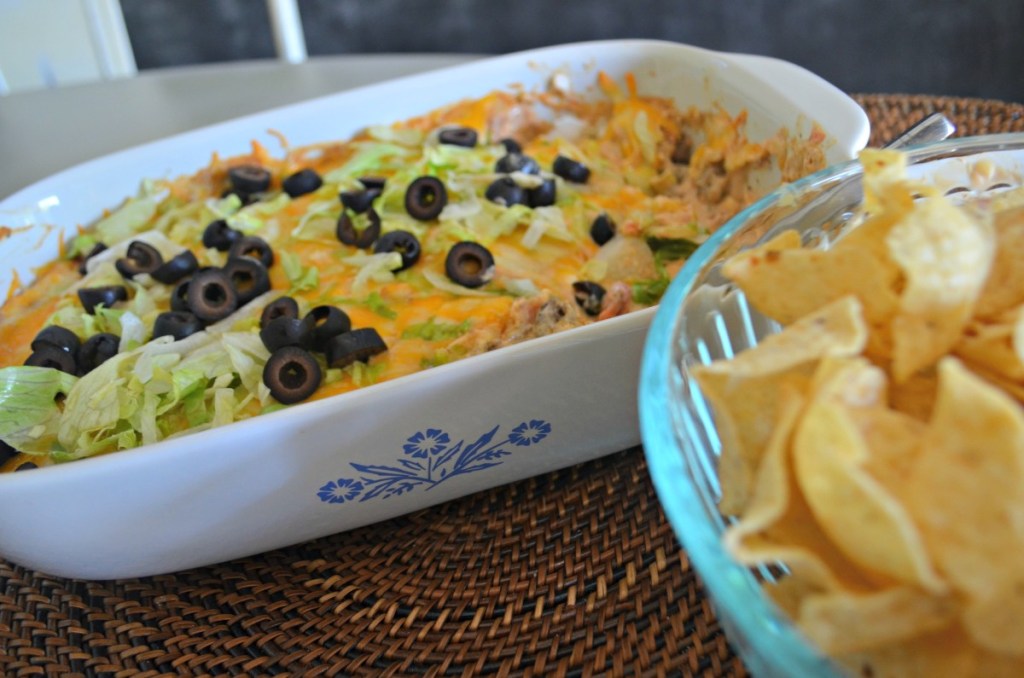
(703, 317)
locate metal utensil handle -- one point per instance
(935, 127)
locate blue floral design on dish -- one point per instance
(430, 459)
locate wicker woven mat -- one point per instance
(576, 572)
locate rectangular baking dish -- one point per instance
(391, 448)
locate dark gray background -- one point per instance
(945, 47)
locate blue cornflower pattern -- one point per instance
(339, 491)
(527, 434)
(430, 459)
(424, 443)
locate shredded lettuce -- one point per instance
(436, 331)
(370, 156)
(130, 218)
(378, 267)
(30, 406)
(442, 283)
(299, 277)
(252, 218)
(152, 392)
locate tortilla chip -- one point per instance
(744, 391)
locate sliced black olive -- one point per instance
(505, 191)
(220, 236)
(361, 344)
(403, 242)
(96, 350)
(96, 249)
(108, 295)
(543, 195)
(348, 235)
(469, 264)
(284, 331)
(179, 296)
(249, 179)
(425, 198)
(53, 357)
(458, 136)
(141, 257)
(511, 145)
(7, 452)
(291, 374)
(55, 335)
(328, 322)
(373, 183)
(177, 268)
(359, 201)
(588, 295)
(517, 162)
(282, 307)
(26, 466)
(570, 170)
(252, 246)
(248, 276)
(177, 324)
(302, 182)
(211, 296)
(602, 229)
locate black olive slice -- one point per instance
(403, 242)
(361, 344)
(96, 350)
(543, 195)
(252, 246)
(220, 236)
(458, 136)
(141, 257)
(96, 249)
(373, 183)
(570, 170)
(511, 146)
(211, 296)
(177, 268)
(328, 322)
(55, 335)
(505, 191)
(425, 198)
(302, 182)
(177, 324)
(291, 374)
(7, 452)
(284, 331)
(517, 162)
(179, 296)
(282, 307)
(359, 201)
(26, 466)
(248, 276)
(53, 357)
(108, 295)
(588, 295)
(602, 229)
(249, 179)
(469, 264)
(348, 235)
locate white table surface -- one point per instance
(46, 131)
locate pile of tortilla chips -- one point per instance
(875, 446)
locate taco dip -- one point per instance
(372, 302)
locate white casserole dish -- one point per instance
(335, 464)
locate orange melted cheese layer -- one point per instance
(655, 170)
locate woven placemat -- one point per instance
(576, 572)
